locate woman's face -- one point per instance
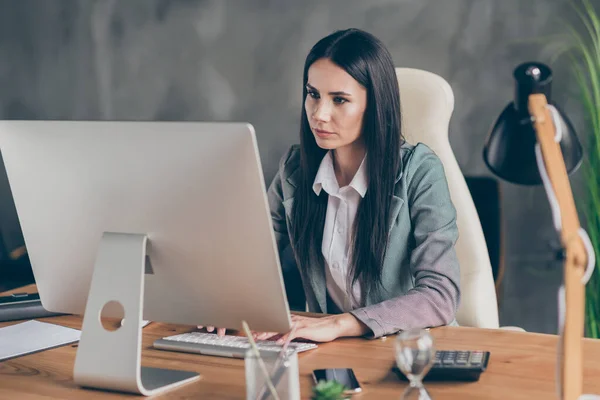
(335, 104)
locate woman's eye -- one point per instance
(339, 100)
(313, 94)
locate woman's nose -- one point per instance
(322, 112)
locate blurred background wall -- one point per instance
(209, 60)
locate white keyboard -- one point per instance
(226, 346)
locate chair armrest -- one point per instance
(513, 328)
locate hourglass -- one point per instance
(414, 355)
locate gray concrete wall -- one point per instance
(242, 61)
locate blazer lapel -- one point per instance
(395, 207)
(288, 204)
(317, 280)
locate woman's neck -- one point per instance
(346, 161)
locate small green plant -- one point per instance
(581, 44)
(584, 51)
(329, 390)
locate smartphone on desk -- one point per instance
(345, 376)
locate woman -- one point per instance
(367, 217)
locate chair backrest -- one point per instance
(427, 103)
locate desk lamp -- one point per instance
(532, 142)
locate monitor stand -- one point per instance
(111, 360)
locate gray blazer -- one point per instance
(420, 272)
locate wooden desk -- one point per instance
(521, 367)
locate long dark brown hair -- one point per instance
(366, 59)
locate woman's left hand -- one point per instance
(325, 329)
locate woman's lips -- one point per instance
(322, 133)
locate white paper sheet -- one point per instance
(32, 336)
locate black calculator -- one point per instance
(450, 365)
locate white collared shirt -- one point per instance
(341, 212)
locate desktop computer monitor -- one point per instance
(195, 189)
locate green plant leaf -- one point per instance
(329, 390)
(584, 54)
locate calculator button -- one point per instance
(449, 357)
(476, 358)
(462, 357)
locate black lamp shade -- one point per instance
(509, 150)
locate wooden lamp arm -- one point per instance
(576, 255)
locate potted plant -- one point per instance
(329, 390)
(583, 48)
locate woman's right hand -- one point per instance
(255, 335)
(220, 331)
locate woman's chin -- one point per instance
(326, 144)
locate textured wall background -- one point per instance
(242, 60)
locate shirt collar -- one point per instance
(360, 180)
(325, 178)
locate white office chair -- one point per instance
(427, 103)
